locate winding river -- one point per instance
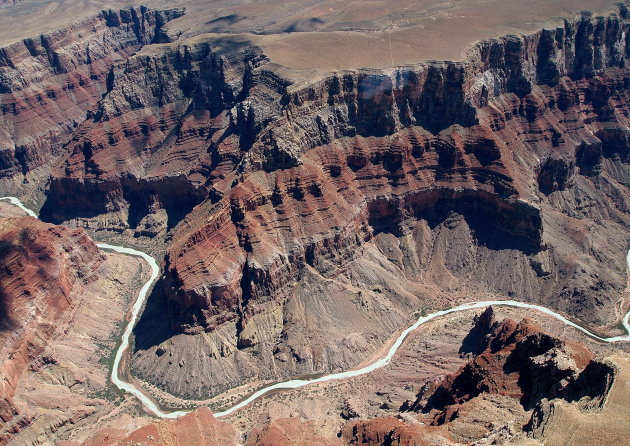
(295, 383)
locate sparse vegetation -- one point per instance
(107, 352)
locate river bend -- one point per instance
(295, 383)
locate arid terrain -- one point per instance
(63, 306)
(312, 177)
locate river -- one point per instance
(295, 383)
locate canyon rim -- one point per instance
(311, 178)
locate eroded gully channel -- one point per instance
(295, 383)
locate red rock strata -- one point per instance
(41, 266)
(515, 360)
(49, 82)
(390, 431)
(524, 369)
(272, 192)
(197, 428)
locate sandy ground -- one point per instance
(609, 426)
(332, 35)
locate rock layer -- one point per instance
(41, 267)
(308, 178)
(48, 83)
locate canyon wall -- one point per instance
(43, 269)
(371, 153)
(400, 187)
(49, 82)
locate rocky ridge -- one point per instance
(268, 192)
(516, 360)
(515, 378)
(42, 267)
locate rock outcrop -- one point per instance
(42, 266)
(516, 360)
(301, 224)
(389, 431)
(511, 365)
(48, 83)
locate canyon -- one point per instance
(303, 217)
(63, 302)
(358, 179)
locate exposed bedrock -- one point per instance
(517, 360)
(152, 137)
(373, 193)
(204, 108)
(43, 267)
(49, 82)
(272, 225)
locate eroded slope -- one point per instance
(42, 266)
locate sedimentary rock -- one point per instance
(516, 360)
(48, 83)
(42, 266)
(198, 427)
(503, 146)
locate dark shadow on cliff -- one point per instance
(496, 224)
(536, 380)
(69, 198)
(476, 340)
(53, 212)
(156, 324)
(6, 324)
(594, 382)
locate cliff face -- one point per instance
(49, 82)
(520, 362)
(42, 266)
(580, 49)
(486, 175)
(145, 147)
(515, 376)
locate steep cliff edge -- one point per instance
(49, 82)
(290, 210)
(42, 267)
